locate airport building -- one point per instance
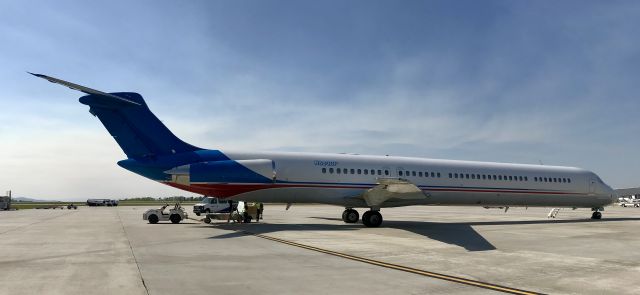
(628, 192)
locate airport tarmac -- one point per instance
(113, 251)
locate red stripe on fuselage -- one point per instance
(225, 190)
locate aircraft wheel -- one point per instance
(350, 216)
(207, 220)
(175, 218)
(153, 219)
(372, 218)
(596, 215)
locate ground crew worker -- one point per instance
(259, 214)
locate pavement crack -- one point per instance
(144, 284)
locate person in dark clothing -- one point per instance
(259, 214)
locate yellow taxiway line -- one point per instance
(400, 267)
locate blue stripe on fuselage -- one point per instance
(154, 168)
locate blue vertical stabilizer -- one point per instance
(137, 130)
(127, 117)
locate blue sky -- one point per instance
(507, 81)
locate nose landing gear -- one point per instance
(596, 213)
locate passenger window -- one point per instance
(386, 172)
(499, 177)
(337, 170)
(400, 172)
(353, 171)
(366, 171)
(569, 180)
(331, 170)
(450, 175)
(379, 172)
(413, 173)
(359, 171)
(526, 179)
(484, 176)
(324, 170)
(545, 179)
(420, 173)
(456, 175)
(467, 176)
(473, 176)
(494, 177)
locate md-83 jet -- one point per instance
(347, 180)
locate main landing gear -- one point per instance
(371, 218)
(350, 215)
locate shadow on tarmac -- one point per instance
(460, 234)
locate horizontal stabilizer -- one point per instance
(84, 89)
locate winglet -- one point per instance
(84, 89)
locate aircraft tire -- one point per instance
(175, 218)
(372, 219)
(153, 219)
(596, 215)
(350, 216)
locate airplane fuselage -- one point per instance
(342, 179)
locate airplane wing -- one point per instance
(392, 188)
(84, 89)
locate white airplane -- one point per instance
(351, 181)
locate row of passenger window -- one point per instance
(508, 177)
(488, 177)
(451, 175)
(552, 179)
(379, 172)
(418, 174)
(355, 171)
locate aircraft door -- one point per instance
(592, 185)
(273, 168)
